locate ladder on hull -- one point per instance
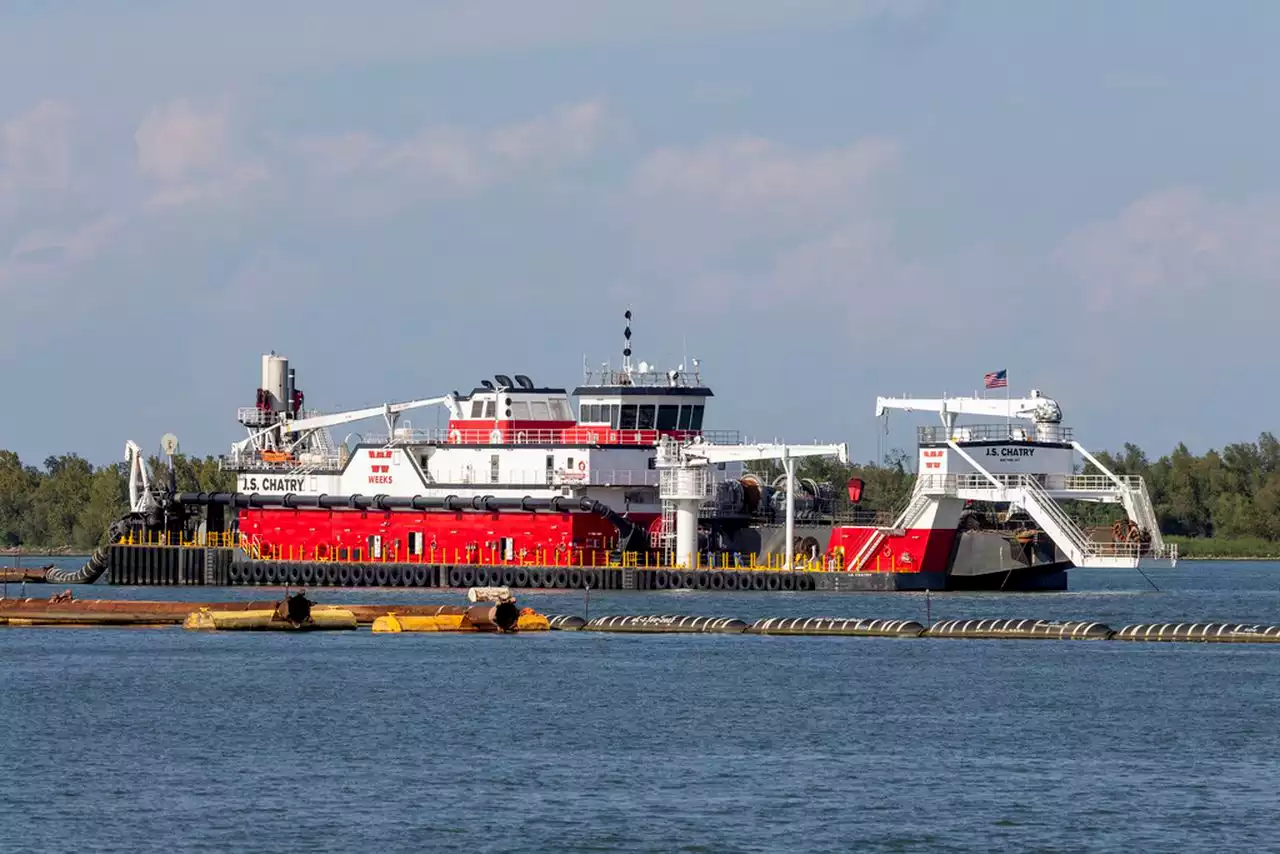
(908, 517)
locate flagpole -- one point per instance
(1008, 407)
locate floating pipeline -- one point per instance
(566, 622)
(1018, 629)
(1200, 632)
(25, 575)
(527, 620)
(329, 619)
(62, 609)
(834, 626)
(666, 624)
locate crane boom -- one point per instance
(1036, 407)
(700, 452)
(333, 419)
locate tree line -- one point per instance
(70, 503)
(1233, 493)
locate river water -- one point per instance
(160, 739)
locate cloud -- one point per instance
(756, 177)
(1173, 242)
(368, 176)
(35, 157)
(463, 157)
(749, 221)
(189, 154)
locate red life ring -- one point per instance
(582, 465)
(888, 551)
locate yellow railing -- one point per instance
(567, 557)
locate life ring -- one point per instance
(582, 465)
(455, 436)
(521, 437)
(888, 551)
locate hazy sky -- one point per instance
(823, 200)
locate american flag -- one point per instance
(996, 379)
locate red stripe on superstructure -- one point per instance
(480, 432)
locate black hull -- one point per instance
(173, 566)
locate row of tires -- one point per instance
(272, 573)
(664, 579)
(333, 574)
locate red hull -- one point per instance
(429, 536)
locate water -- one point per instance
(164, 739)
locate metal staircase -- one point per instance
(1056, 523)
(920, 501)
(1137, 503)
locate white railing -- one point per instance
(1084, 483)
(1011, 432)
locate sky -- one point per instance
(823, 201)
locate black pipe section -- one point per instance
(97, 564)
(632, 537)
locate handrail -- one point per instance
(1012, 432)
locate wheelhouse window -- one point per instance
(627, 420)
(695, 423)
(541, 412)
(668, 416)
(477, 409)
(520, 410)
(613, 416)
(560, 410)
(645, 419)
(686, 413)
(488, 408)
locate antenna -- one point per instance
(626, 343)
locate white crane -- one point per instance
(140, 498)
(1044, 411)
(299, 428)
(685, 485)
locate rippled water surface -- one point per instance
(126, 740)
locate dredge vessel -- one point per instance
(618, 484)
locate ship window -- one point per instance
(593, 413)
(560, 410)
(541, 411)
(494, 460)
(520, 410)
(627, 421)
(695, 423)
(668, 416)
(686, 412)
(613, 415)
(645, 419)
(477, 409)
(488, 409)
